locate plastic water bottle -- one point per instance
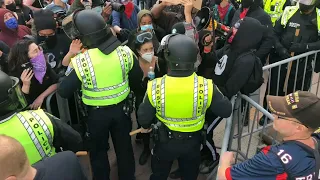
(151, 74)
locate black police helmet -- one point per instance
(94, 32)
(11, 97)
(180, 51)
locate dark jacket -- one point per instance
(256, 12)
(234, 62)
(4, 58)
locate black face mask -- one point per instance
(247, 3)
(305, 8)
(11, 7)
(50, 41)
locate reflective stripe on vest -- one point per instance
(278, 6)
(87, 71)
(34, 131)
(291, 10)
(199, 107)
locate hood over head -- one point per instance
(248, 36)
(3, 26)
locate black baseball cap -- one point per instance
(301, 105)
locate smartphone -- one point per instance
(27, 65)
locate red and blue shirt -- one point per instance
(277, 162)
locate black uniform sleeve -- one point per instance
(65, 136)
(220, 105)
(135, 77)
(277, 31)
(267, 40)
(69, 85)
(146, 113)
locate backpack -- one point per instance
(256, 78)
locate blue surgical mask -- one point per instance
(146, 27)
(98, 9)
(64, 1)
(12, 23)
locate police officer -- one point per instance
(179, 101)
(275, 8)
(306, 18)
(40, 133)
(106, 72)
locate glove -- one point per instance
(299, 48)
(283, 53)
(124, 33)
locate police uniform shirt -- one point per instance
(267, 165)
(307, 25)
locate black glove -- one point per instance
(124, 33)
(283, 53)
(298, 48)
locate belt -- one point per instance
(105, 107)
(182, 135)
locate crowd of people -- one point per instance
(172, 66)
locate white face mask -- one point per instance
(148, 56)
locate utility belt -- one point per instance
(127, 105)
(162, 134)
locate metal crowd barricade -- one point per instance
(243, 133)
(63, 107)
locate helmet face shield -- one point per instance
(15, 101)
(69, 27)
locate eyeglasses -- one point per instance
(141, 38)
(288, 119)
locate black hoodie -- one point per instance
(256, 12)
(235, 61)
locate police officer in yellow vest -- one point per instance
(40, 133)
(179, 101)
(305, 19)
(105, 72)
(275, 8)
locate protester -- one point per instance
(11, 32)
(124, 22)
(251, 8)
(296, 118)
(145, 23)
(144, 49)
(26, 60)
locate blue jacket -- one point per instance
(121, 20)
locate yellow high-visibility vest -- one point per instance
(181, 102)
(104, 77)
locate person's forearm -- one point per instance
(67, 59)
(117, 29)
(25, 89)
(157, 10)
(222, 171)
(49, 90)
(188, 17)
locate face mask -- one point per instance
(64, 1)
(305, 8)
(11, 7)
(39, 66)
(146, 27)
(246, 3)
(148, 56)
(12, 23)
(50, 41)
